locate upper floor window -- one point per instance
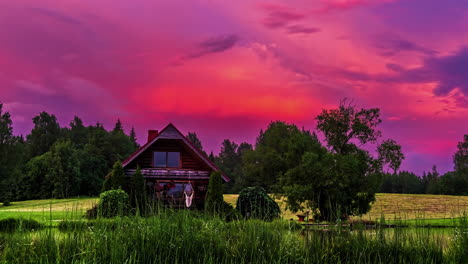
(166, 159)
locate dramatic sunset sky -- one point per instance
(225, 69)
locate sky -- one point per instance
(226, 69)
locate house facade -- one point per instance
(176, 172)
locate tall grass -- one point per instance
(190, 237)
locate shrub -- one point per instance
(214, 203)
(6, 203)
(113, 203)
(92, 213)
(11, 224)
(228, 212)
(254, 202)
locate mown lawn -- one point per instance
(48, 210)
(410, 208)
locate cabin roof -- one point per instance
(171, 132)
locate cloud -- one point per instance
(34, 87)
(280, 16)
(55, 15)
(394, 46)
(300, 29)
(215, 45)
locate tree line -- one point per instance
(58, 162)
(336, 175)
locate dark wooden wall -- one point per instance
(189, 160)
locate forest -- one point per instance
(57, 161)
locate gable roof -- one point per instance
(171, 132)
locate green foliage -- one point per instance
(214, 202)
(117, 177)
(6, 202)
(45, 133)
(133, 138)
(343, 181)
(402, 182)
(277, 150)
(346, 123)
(138, 197)
(13, 156)
(113, 203)
(193, 138)
(230, 162)
(460, 158)
(336, 185)
(390, 153)
(254, 202)
(64, 170)
(12, 224)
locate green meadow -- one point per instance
(184, 236)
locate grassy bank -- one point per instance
(187, 237)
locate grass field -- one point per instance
(185, 236)
(437, 209)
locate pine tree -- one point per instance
(214, 196)
(133, 138)
(138, 190)
(118, 177)
(118, 127)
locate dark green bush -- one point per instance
(12, 224)
(6, 203)
(113, 203)
(254, 202)
(229, 213)
(92, 213)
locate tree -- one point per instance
(342, 181)
(64, 170)
(133, 138)
(36, 184)
(460, 158)
(117, 177)
(93, 168)
(277, 150)
(346, 124)
(214, 202)
(193, 138)
(230, 162)
(390, 153)
(138, 191)
(118, 127)
(12, 156)
(45, 133)
(431, 181)
(78, 132)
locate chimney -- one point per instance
(152, 134)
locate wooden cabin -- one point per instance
(172, 166)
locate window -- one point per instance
(166, 159)
(173, 159)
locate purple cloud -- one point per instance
(300, 29)
(280, 16)
(392, 47)
(55, 15)
(215, 45)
